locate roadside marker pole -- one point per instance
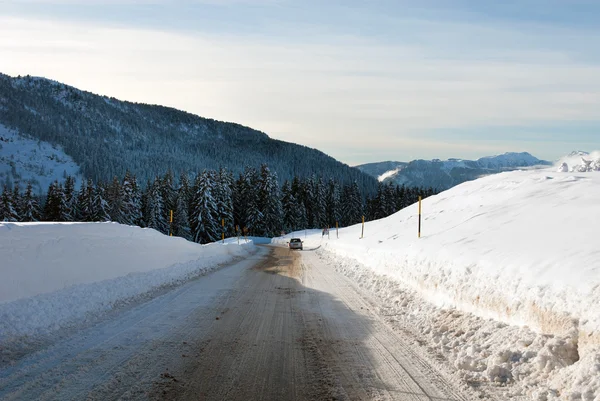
(337, 234)
(362, 233)
(419, 217)
(237, 231)
(171, 224)
(223, 233)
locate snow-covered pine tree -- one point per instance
(269, 203)
(71, 197)
(17, 200)
(390, 193)
(30, 205)
(85, 200)
(399, 197)
(185, 191)
(254, 221)
(99, 208)
(7, 209)
(289, 207)
(298, 192)
(55, 208)
(352, 207)
(204, 218)
(114, 198)
(238, 206)
(131, 200)
(318, 203)
(332, 203)
(224, 198)
(155, 206)
(145, 196)
(168, 193)
(181, 227)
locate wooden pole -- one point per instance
(419, 217)
(362, 233)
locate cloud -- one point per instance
(339, 92)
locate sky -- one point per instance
(363, 81)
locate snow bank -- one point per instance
(518, 247)
(56, 273)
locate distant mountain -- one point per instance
(448, 173)
(104, 137)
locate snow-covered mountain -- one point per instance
(24, 159)
(444, 174)
(105, 137)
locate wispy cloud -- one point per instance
(393, 90)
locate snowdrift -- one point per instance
(520, 247)
(510, 267)
(56, 273)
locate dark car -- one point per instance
(295, 243)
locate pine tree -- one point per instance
(298, 192)
(17, 200)
(7, 209)
(168, 193)
(352, 208)
(224, 198)
(290, 208)
(185, 191)
(269, 203)
(251, 209)
(131, 201)
(180, 226)
(332, 203)
(56, 208)
(30, 206)
(318, 206)
(114, 198)
(99, 208)
(85, 200)
(203, 221)
(156, 218)
(70, 197)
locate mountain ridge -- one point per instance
(444, 174)
(106, 136)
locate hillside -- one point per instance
(105, 136)
(448, 173)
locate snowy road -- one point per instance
(278, 326)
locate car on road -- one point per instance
(295, 243)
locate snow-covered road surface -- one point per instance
(279, 325)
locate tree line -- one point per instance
(201, 208)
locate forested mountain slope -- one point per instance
(106, 136)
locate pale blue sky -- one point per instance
(363, 81)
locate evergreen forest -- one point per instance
(203, 207)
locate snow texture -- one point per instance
(508, 266)
(55, 274)
(25, 160)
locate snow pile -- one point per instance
(509, 264)
(54, 274)
(580, 162)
